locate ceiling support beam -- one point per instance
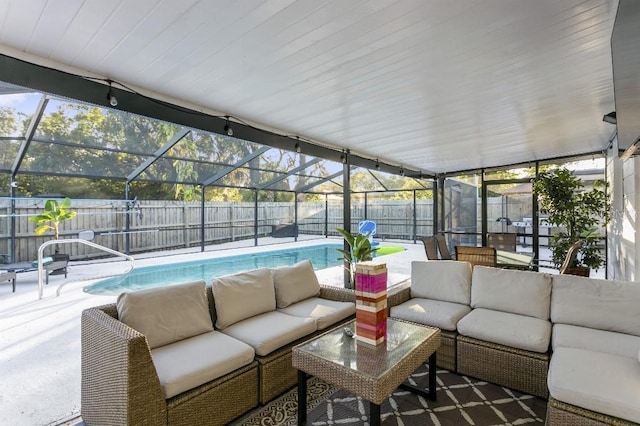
(31, 131)
(318, 182)
(237, 165)
(159, 153)
(49, 80)
(288, 174)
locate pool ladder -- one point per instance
(80, 241)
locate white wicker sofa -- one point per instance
(594, 376)
(498, 328)
(574, 340)
(196, 354)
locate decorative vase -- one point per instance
(371, 302)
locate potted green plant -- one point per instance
(50, 219)
(581, 213)
(360, 250)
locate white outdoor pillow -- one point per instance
(507, 290)
(243, 295)
(166, 314)
(445, 280)
(295, 283)
(610, 305)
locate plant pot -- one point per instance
(582, 271)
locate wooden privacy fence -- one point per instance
(163, 225)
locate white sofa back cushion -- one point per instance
(243, 295)
(167, 314)
(295, 283)
(603, 304)
(508, 290)
(592, 339)
(445, 280)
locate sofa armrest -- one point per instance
(338, 294)
(399, 294)
(119, 381)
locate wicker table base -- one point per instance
(371, 372)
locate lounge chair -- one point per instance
(369, 227)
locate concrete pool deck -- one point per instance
(40, 339)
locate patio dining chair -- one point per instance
(430, 247)
(502, 240)
(485, 256)
(445, 254)
(570, 258)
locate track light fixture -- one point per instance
(298, 147)
(377, 164)
(343, 158)
(113, 101)
(227, 128)
(401, 171)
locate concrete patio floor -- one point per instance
(40, 339)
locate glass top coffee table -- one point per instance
(371, 372)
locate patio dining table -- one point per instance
(513, 260)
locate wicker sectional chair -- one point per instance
(573, 340)
(173, 355)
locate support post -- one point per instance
(202, 219)
(255, 218)
(346, 213)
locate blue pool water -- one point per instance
(322, 256)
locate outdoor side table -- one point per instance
(371, 372)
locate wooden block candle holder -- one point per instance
(371, 302)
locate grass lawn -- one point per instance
(388, 249)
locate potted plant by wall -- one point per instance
(50, 219)
(581, 213)
(360, 250)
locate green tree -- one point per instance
(562, 197)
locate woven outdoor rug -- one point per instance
(461, 400)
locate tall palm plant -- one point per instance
(360, 250)
(52, 216)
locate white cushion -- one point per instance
(166, 314)
(192, 362)
(270, 331)
(436, 313)
(573, 336)
(295, 283)
(445, 280)
(518, 331)
(509, 290)
(243, 295)
(596, 381)
(324, 312)
(589, 302)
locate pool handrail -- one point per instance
(81, 241)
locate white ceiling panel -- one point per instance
(436, 85)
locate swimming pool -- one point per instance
(321, 256)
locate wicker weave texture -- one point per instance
(513, 368)
(446, 353)
(563, 414)
(276, 376)
(119, 384)
(218, 402)
(365, 386)
(485, 256)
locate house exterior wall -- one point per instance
(623, 245)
